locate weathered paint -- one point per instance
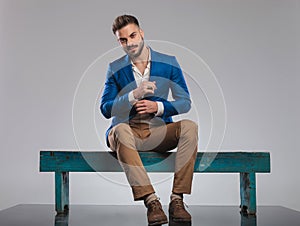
(61, 192)
(248, 193)
(227, 162)
(245, 163)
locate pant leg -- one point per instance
(185, 157)
(122, 139)
(184, 135)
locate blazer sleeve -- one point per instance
(182, 102)
(112, 103)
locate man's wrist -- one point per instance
(160, 108)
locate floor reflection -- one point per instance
(246, 220)
(61, 219)
(135, 215)
(172, 223)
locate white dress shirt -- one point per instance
(139, 78)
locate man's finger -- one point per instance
(150, 85)
(142, 112)
(140, 105)
(154, 83)
(141, 102)
(141, 109)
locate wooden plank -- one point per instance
(97, 161)
(228, 162)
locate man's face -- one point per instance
(131, 38)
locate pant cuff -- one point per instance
(140, 191)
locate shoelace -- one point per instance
(153, 205)
(180, 203)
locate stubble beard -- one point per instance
(138, 53)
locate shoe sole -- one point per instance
(172, 218)
(180, 220)
(158, 223)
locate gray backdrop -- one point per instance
(251, 46)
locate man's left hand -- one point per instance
(146, 107)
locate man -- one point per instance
(136, 97)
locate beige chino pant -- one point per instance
(152, 134)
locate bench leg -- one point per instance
(248, 193)
(61, 192)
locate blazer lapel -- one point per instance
(128, 74)
(155, 66)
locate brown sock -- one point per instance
(150, 198)
(176, 196)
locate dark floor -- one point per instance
(92, 215)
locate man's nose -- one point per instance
(129, 43)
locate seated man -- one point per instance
(136, 97)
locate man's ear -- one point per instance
(142, 32)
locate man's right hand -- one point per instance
(144, 88)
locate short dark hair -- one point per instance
(122, 21)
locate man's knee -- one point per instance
(121, 128)
(121, 134)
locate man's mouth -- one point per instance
(132, 48)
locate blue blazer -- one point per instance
(168, 75)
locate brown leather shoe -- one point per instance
(155, 214)
(177, 212)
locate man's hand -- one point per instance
(144, 88)
(146, 106)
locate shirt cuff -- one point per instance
(160, 109)
(131, 98)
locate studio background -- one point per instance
(251, 46)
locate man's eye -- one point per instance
(132, 36)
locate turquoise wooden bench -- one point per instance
(247, 164)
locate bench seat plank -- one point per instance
(98, 161)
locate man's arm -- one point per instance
(181, 103)
(111, 103)
(180, 93)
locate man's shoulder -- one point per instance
(164, 59)
(120, 63)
